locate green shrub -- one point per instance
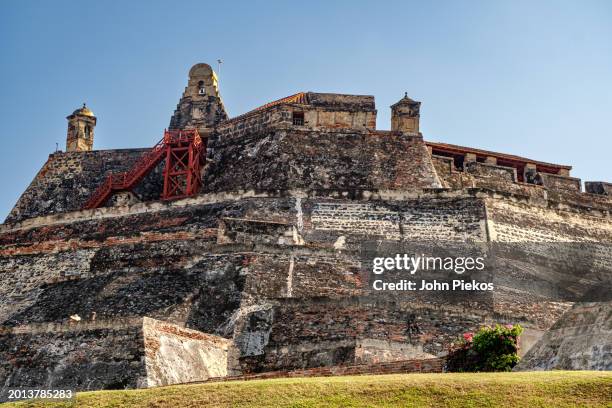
(489, 349)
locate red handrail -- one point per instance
(126, 181)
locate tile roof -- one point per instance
(510, 157)
(300, 98)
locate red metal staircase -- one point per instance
(183, 151)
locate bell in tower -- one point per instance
(200, 106)
(81, 124)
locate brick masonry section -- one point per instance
(433, 365)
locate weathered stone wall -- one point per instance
(335, 148)
(557, 182)
(274, 117)
(339, 111)
(445, 219)
(113, 353)
(326, 332)
(342, 102)
(444, 166)
(598, 187)
(580, 340)
(320, 112)
(280, 274)
(167, 265)
(150, 288)
(77, 356)
(430, 365)
(566, 257)
(551, 188)
(486, 170)
(332, 160)
(68, 179)
(519, 221)
(373, 351)
(177, 355)
(449, 176)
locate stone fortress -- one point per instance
(260, 272)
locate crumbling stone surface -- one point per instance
(77, 356)
(557, 182)
(177, 355)
(580, 340)
(324, 332)
(598, 187)
(342, 102)
(320, 112)
(486, 170)
(333, 160)
(114, 353)
(280, 275)
(68, 179)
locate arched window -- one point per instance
(87, 131)
(201, 89)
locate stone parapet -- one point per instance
(598, 187)
(486, 170)
(563, 183)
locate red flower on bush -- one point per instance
(488, 349)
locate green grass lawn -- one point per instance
(534, 389)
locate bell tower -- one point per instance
(200, 106)
(405, 115)
(81, 126)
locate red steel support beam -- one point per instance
(183, 152)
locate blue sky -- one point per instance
(532, 78)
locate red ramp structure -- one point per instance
(184, 154)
